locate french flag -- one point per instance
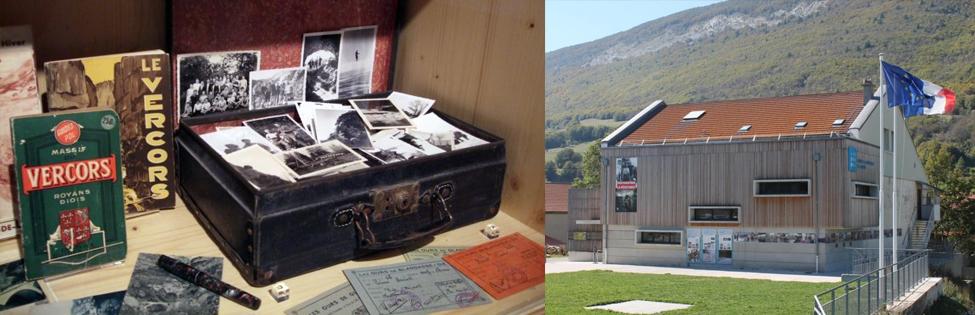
(914, 95)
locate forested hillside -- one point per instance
(744, 49)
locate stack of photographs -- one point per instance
(403, 128)
(335, 64)
(276, 150)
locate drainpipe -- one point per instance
(816, 157)
(605, 218)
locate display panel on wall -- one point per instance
(626, 184)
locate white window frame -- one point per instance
(636, 238)
(690, 214)
(853, 190)
(758, 181)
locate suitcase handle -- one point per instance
(367, 239)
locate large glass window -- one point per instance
(864, 190)
(781, 187)
(714, 214)
(658, 237)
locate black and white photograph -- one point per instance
(229, 140)
(626, 170)
(380, 113)
(153, 290)
(306, 113)
(320, 55)
(416, 142)
(356, 58)
(413, 106)
(260, 167)
(343, 125)
(443, 140)
(108, 303)
(626, 200)
(433, 124)
(214, 82)
(392, 150)
(282, 131)
(346, 169)
(15, 289)
(277, 87)
(318, 159)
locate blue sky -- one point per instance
(570, 22)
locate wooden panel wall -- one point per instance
(66, 29)
(671, 178)
(584, 204)
(484, 63)
(863, 212)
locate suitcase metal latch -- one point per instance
(394, 202)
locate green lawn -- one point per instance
(569, 293)
(600, 122)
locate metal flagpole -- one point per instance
(893, 197)
(883, 154)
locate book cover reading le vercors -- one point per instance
(69, 185)
(137, 86)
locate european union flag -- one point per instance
(906, 90)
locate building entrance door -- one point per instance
(709, 246)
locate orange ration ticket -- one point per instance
(504, 266)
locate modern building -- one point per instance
(786, 183)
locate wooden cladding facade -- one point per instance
(673, 177)
(584, 204)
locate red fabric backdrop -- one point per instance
(276, 28)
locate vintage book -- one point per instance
(18, 96)
(138, 87)
(412, 288)
(69, 185)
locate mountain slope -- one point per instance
(744, 49)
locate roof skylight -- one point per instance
(801, 124)
(745, 128)
(694, 115)
(838, 122)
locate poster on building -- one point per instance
(626, 173)
(693, 246)
(725, 237)
(626, 184)
(709, 245)
(626, 200)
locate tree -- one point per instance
(958, 210)
(590, 168)
(551, 172)
(569, 172)
(944, 164)
(565, 156)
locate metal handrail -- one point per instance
(883, 286)
(929, 227)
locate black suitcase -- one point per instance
(288, 230)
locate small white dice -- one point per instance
(491, 231)
(280, 291)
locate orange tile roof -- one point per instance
(767, 116)
(557, 197)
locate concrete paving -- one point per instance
(573, 266)
(919, 299)
(640, 307)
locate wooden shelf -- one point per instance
(176, 232)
